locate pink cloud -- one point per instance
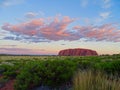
(27, 28)
(57, 28)
(106, 32)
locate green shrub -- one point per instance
(9, 71)
(112, 67)
(51, 73)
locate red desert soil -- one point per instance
(9, 85)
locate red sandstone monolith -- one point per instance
(77, 52)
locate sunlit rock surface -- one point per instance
(77, 52)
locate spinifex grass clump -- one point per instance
(89, 80)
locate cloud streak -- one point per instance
(105, 15)
(31, 15)
(57, 28)
(24, 51)
(84, 3)
(8, 45)
(6, 3)
(107, 4)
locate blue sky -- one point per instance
(47, 26)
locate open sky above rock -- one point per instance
(47, 26)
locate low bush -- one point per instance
(51, 73)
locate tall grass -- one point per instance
(89, 80)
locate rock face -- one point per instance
(77, 52)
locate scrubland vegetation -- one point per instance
(70, 73)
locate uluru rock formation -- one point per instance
(77, 52)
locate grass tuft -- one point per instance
(89, 80)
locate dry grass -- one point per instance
(88, 80)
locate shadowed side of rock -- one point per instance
(77, 52)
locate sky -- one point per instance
(44, 27)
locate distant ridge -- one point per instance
(24, 55)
